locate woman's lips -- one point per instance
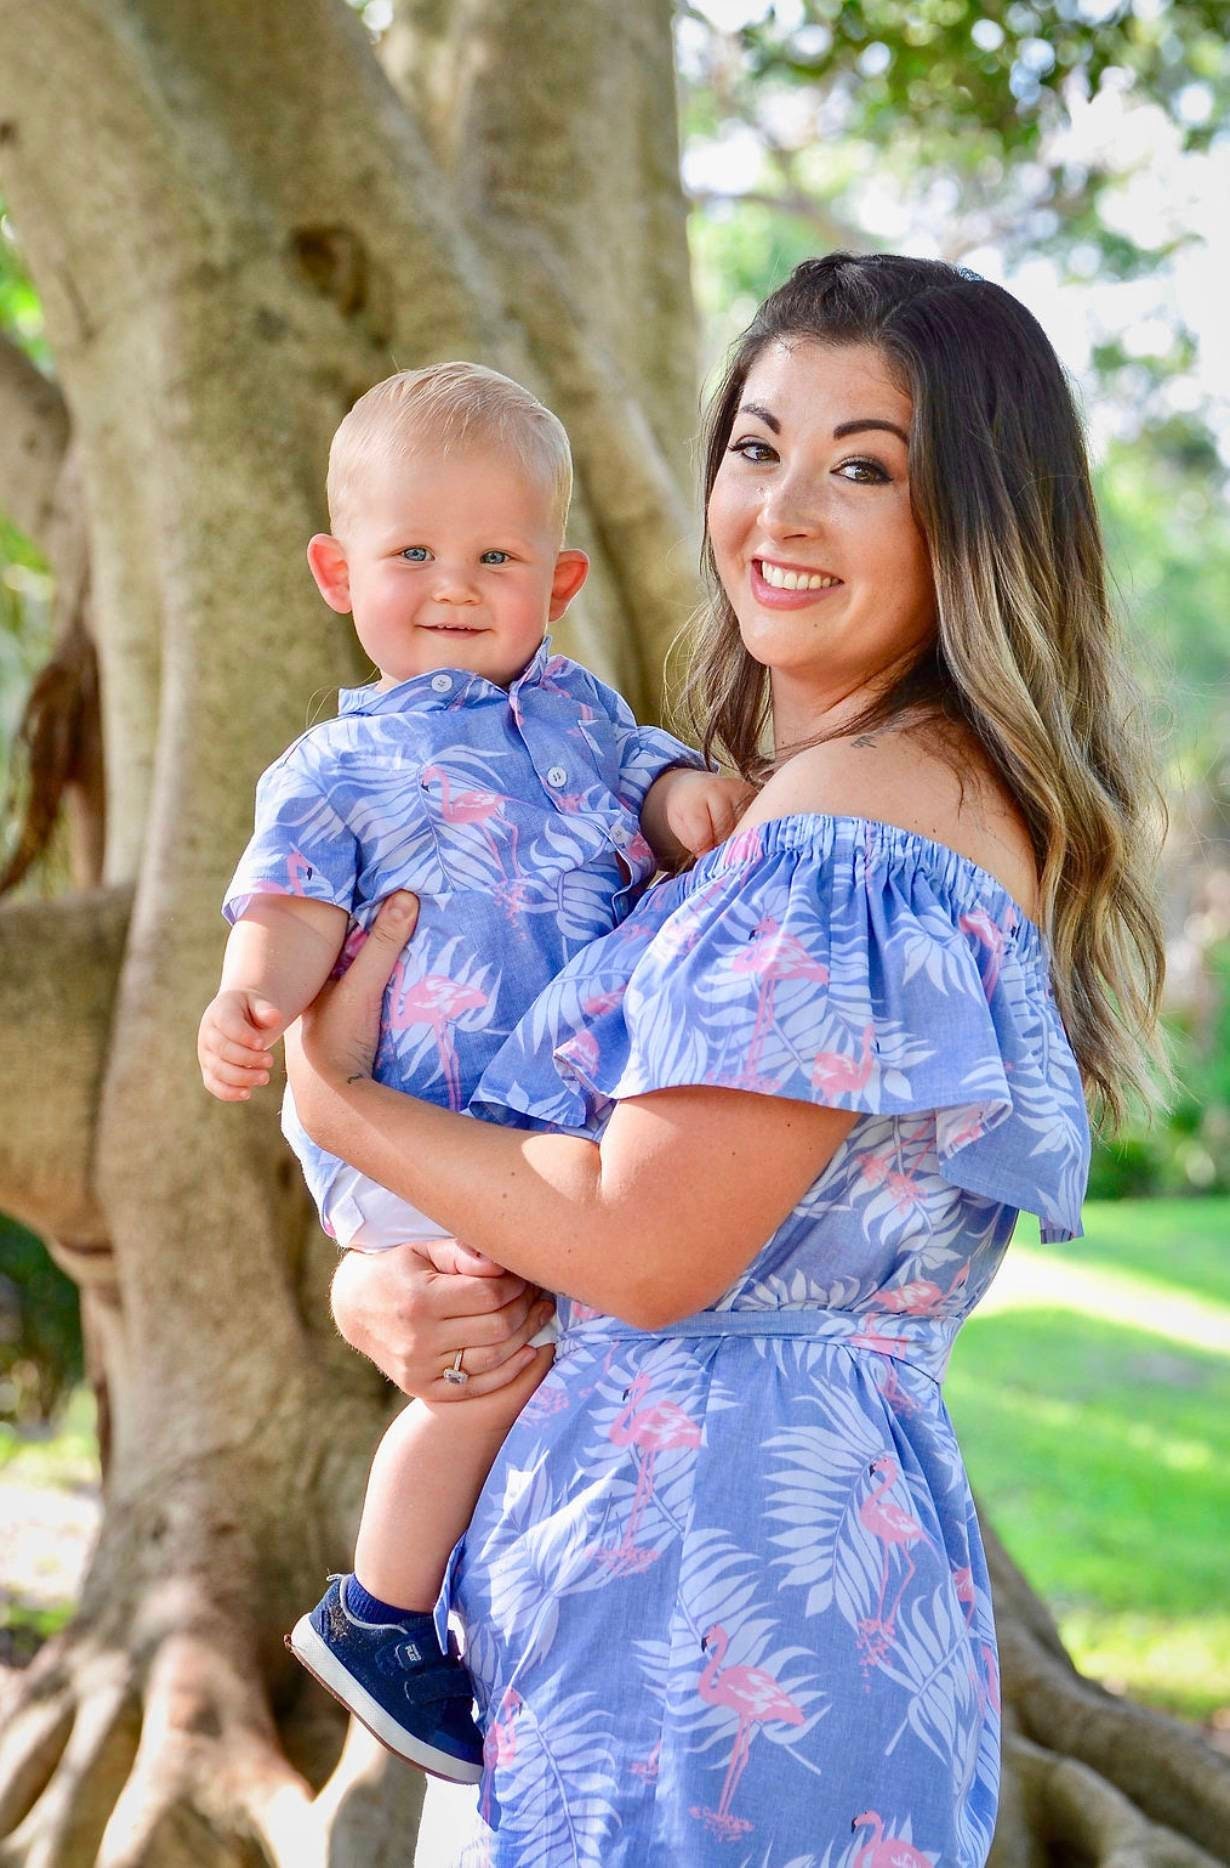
(774, 599)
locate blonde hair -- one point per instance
(1026, 653)
(445, 406)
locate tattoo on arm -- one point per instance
(864, 739)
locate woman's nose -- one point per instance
(788, 508)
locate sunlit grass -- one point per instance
(1092, 1397)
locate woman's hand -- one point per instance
(411, 1309)
(335, 1041)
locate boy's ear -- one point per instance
(571, 570)
(326, 558)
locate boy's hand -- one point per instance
(232, 1044)
(700, 809)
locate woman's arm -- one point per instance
(653, 1223)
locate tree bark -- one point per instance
(238, 218)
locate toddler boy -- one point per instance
(515, 795)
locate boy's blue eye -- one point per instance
(415, 554)
(496, 557)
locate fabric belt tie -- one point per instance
(923, 1342)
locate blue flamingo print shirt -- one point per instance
(724, 1594)
(512, 813)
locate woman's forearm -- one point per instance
(684, 1190)
(532, 1202)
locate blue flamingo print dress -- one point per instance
(724, 1595)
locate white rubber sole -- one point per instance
(308, 1648)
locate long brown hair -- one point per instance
(1027, 653)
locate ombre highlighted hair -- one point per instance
(1027, 653)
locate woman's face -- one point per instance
(813, 533)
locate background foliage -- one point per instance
(1009, 137)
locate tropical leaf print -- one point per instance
(796, 1640)
(813, 1491)
(552, 1791)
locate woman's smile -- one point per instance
(813, 532)
(790, 586)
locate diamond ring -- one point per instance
(455, 1373)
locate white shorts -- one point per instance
(363, 1216)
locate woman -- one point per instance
(725, 1584)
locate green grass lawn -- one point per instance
(1091, 1393)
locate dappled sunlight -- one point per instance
(1035, 1279)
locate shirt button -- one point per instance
(557, 776)
(441, 683)
(619, 836)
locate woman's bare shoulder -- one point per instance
(941, 788)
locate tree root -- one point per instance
(1072, 1815)
(106, 1764)
(1114, 1782)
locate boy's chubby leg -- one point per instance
(371, 1640)
(424, 1484)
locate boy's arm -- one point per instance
(687, 812)
(279, 955)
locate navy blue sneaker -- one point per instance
(394, 1679)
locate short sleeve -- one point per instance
(643, 752)
(300, 845)
(832, 961)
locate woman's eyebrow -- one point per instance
(762, 415)
(868, 421)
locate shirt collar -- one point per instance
(441, 688)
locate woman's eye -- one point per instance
(750, 449)
(496, 557)
(416, 554)
(863, 472)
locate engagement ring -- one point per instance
(455, 1373)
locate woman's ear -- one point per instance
(326, 558)
(571, 570)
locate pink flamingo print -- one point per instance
(468, 807)
(963, 1583)
(919, 1297)
(991, 936)
(893, 1528)
(773, 955)
(659, 1428)
(500, 1743)
(648, 1767)
(844, 1076)
(434, 1000)
(298, 869)
(757, 1699)
(882, 1341)
(887, 1852)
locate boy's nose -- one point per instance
(454, 587)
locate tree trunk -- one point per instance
(238, 219)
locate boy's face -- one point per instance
(449, 561)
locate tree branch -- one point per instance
(34, 427)
(561, 126)
(644, 522)
(831, 230)
(59, 965)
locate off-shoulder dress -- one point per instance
(724, 1594)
